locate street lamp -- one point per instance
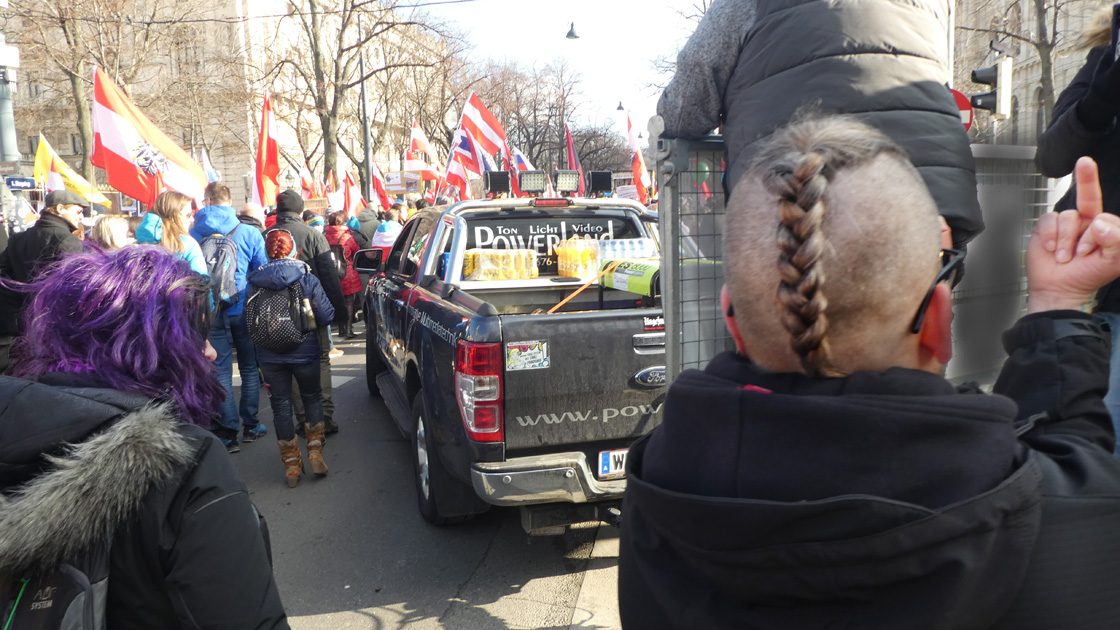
(620, 107)
(290, 179)
(572, 32)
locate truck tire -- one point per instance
(374, 365)
(432, 479)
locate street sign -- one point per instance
(965, 105)
(19, 183)
(9, 168)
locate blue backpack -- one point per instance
(220, 253)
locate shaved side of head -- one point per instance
(832, 241)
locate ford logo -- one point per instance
(650, 378)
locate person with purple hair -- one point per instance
(115, 353)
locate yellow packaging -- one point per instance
(500, 264)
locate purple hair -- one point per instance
(136, 318)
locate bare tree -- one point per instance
(1034, 23)
(123, 37)
(320, 67)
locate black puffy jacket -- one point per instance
(189, 550)
(1068, 138)
(752, 65)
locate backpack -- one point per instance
(279, 319)
(338, 254)
(220, 253)
(72, 596)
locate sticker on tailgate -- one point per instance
(527, 355)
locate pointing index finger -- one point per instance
(1088, 188)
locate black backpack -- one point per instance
(279, 319)
(72, 596)
(220, 253)
(338, 254)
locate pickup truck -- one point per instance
(522, 390)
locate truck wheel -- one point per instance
(374, 365)
(432, 479)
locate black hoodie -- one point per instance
(887, 500)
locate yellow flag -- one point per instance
(53, 174)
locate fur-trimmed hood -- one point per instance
(75, 463)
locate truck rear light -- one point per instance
(478, 389)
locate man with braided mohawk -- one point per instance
(826, 475)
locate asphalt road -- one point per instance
(350, 550)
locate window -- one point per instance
(32, 144)
(76, 144)
(184, 55)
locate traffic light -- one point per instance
(998, 101)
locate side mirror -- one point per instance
(368, 260)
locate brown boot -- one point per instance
(315, 441)
(293, 461)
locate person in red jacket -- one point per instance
(339, 238)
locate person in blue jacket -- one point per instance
(229, 331)
(166, 225)
(302, 364)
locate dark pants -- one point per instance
(230, 333)
(324, 333)
(279, 378)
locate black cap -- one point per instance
(289, 201)
(65, 198)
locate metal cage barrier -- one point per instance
(987, 301)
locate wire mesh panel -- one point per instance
(992, 294)
(691, 206)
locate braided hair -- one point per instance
(797, 166)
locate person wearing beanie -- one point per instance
(313, 249)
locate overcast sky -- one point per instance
(618, 40)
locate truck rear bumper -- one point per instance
(559, 477)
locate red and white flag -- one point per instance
(484, 128)
(419, 141)
(268, 159)
(354, 202)
(573, 161)
(306, 183)
(330, 186)
(458, 176)
(427, 173)
(139, 159)
(638, 164)
(379, 187)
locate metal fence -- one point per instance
(988, 300)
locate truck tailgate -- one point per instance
(582, 377)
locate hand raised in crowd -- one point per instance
(1073, 253)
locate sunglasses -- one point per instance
(951, 260)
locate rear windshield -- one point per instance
(542, 233)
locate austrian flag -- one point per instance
(139, 159)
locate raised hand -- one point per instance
(1073, 253)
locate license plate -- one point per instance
(612, 464)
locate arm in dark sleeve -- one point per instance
(320, 305)
(692, 103)
(1057, 371)
(323, 264)
(218, 571)
(1068, 137)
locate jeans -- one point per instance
(1112, 398)
(324, 333)
(229, 332)
(279, 378)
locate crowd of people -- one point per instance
(834, 479)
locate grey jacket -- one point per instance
(752, 64)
